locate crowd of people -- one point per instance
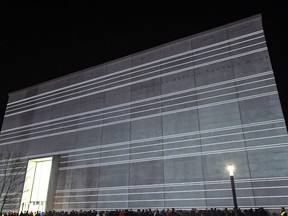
(148, 212)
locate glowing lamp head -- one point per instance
(231, 169)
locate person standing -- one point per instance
(283, 213)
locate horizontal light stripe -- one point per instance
(138, 112)
(171, 149)
(134, 103)
(145, 145)
(142, 65)
(167, 185)
(170, 200)
(146, 79)
(99, 86)
(167, 192)
(165, 207)
(106, 89)
(203, 153)
(145, 105)
(202, 132)
(145, 117)
(105, 84)
(140, 101)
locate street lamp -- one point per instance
(231, 169)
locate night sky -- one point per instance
(47, 39)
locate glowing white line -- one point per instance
(141, 75)
(104, 85)
(240, 149)
(142, 65)
(163, 192)
(182, 184)
(178, 199)
(168, 149)
(172, 136)
(145, 117)
(146, 79)
(129, 113)
(232, 81)
(145, 145)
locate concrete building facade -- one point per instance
(157, 129)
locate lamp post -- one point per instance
(231, 168)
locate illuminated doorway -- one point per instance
(34, 197)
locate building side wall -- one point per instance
(158, 128)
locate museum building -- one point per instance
(155, 129)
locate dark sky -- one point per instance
(46, 39)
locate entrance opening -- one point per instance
(36, 184)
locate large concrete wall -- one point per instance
(158, 128)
